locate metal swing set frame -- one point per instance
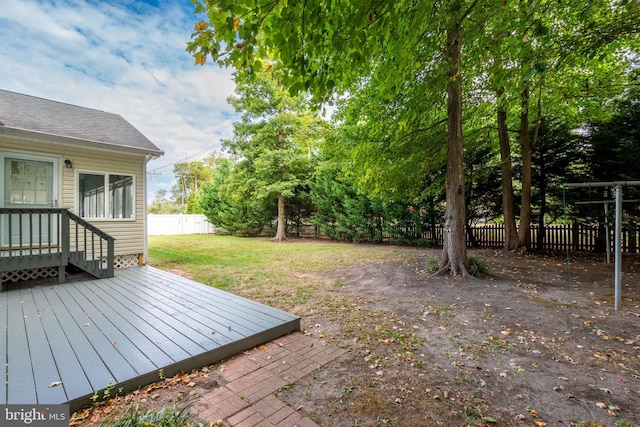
(617, 188)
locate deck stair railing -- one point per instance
(35, 238)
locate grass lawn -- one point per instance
(522, 346)
(282, 275)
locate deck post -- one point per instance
(65, 242)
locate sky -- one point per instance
(125, 57)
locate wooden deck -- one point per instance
(121, 331)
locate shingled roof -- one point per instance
(85, 125)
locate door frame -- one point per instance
(55, 184)
(55, 194)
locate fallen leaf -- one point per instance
(601, 405)
(520, 417)
(55, 384)
(540, 423)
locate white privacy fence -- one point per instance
(160, 224)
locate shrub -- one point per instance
(169, 416)
(477, 267)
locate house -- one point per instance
(73, 185)
(73, 195)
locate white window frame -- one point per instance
(106, 202)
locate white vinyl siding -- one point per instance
(129, 233)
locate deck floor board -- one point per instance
(45, 372)
(19, 381)
(90, 326)
(61, 349)
(93, 334)
(4, 319)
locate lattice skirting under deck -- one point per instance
(33, 274)
(120, 261)
(125, 261)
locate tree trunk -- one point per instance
(506, 172)
(524, 231)
(280, 233)
(454, 253)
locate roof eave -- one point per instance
(22, 134)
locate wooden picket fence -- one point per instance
(576, 237)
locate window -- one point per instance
(114, 203)
(29, 182)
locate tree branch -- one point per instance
(415, 131)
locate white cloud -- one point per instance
(124, 57)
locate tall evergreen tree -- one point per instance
(274, 141)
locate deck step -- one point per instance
(92, 266)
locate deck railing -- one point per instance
(32, 238)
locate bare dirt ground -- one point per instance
(529, 345)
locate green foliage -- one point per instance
(432, 265)
(619, 422)
(227, 205)
(560, 156)
(535, 61)
(272, 146)
(189, 179)
(165, 417)
(165, 207)
(343, 214)
(477, 267)
(616, 141)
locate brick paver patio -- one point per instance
(250, 380)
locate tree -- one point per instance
(189, 179)
(273, 142)
(559, 156)
(336, 47)
(406, 54)
(227, 204)
(343, 214)
(615, 144)
(559, 61)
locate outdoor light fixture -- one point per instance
(67, 164)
